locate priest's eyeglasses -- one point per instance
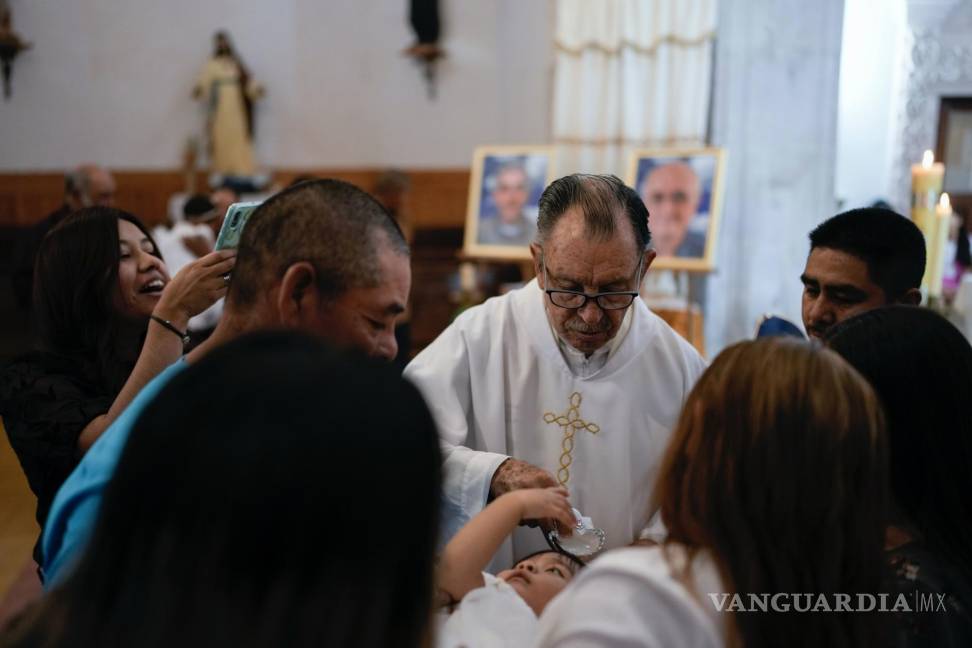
(575, 299)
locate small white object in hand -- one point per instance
(586, 540)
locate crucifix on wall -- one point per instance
(424, 17)
(11, 44)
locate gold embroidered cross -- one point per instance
(570, 422)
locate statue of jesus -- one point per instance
(228, 90)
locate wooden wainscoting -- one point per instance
(437, 198)
(435, 209)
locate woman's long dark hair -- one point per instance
(778, 468)
(921, 368)
(75, 284)
(275, 494)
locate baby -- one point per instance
(502, 610)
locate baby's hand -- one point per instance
(545, 504)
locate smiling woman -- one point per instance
(141, 273)
(99, 282)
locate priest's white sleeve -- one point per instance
(441, 373)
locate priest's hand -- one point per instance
(514, 474)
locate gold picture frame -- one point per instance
(504, 187)
(684, 241)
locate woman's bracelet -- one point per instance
(183, 335)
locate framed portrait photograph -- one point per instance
(504, 189)
(682, 188)
(955, 144)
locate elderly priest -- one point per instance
(570, 379)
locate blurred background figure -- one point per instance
(222, 197)
(191, 237)
(391, 190)
(88, 185)
(958, 254)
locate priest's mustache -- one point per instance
(579, 326)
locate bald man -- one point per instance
(86, 186)
(671, 192)
(89, 186)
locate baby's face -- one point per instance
(539, 578)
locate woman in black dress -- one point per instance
(921, 368)
(108, 319)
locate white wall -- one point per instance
(109, 81)
(871, 78)
(940, 65)
(777, 69)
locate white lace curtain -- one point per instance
(629, 74)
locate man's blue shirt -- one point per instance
(74, 512)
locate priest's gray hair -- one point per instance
(332, 224)
(601, 198)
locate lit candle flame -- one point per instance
(944, 202)
(927, 159)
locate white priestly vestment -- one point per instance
(499, 386)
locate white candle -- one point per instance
(926, 184)
(937, 244)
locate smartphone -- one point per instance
(233, 224)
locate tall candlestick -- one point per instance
(926, 186)
(937, 245)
